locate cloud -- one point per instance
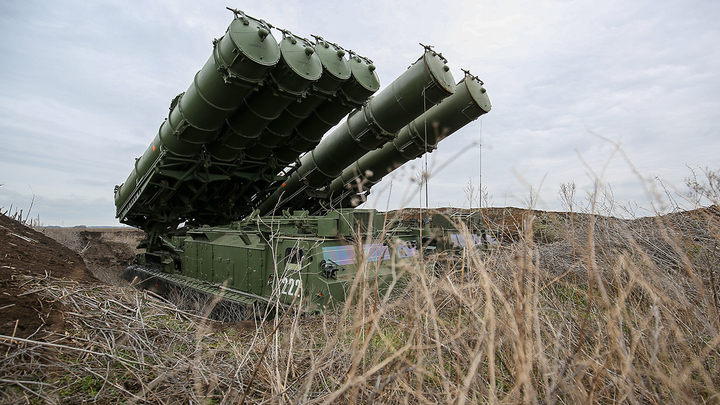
(85, 86)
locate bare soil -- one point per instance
(24, 251)
(92, 256)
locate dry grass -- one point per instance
(579, 309)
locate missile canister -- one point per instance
(240, 61)
(297, 69)
(336, 70)
(469, 102)
(362, 84)
(354, 91)
(424, 84)
(352, 96)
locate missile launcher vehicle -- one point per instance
(249, 189)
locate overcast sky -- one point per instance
(622, 91)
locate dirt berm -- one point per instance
(25, 251)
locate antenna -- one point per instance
(480, 168)
(424, 178)
(426, 175)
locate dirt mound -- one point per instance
(106, 251)
(24, 251)
(105, 248)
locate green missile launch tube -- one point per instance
(424, 84)
(469, 102)
(362, 84)
(336, 70)
(298, 68)
(240, 61)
